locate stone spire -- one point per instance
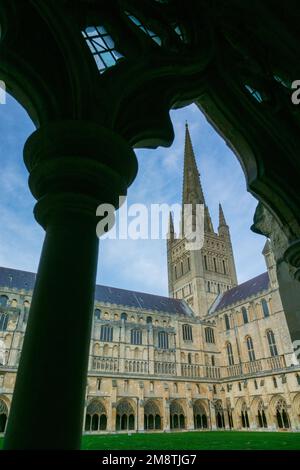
(192, 189)
(171, 228)
(222, 220)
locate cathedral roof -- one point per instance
(14, 278)
(241, 292)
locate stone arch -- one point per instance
(200, 415)
(125, 415)
(279, 410)
(296, 407)
(96, 349)
(152, 415)
(96, 416)
(177, 415)
(3, 414)
(219, 413)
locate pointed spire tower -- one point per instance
(192, 192)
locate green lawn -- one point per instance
(193, 440)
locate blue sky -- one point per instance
(133, 264)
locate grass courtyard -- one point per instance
(217, 440)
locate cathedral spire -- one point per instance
(222, 220)
(192, 189)
(171, 228)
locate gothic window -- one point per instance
(224, 267)
(136, 336)
(220, 421)
(96, 417)
(3, 321)
(275, 382)
(3, 415)
(219, 290)
(251, 352)
(205, 262)
(175, 271)
(200, 417)
(265, 308)
(175, 387)
(101, 46)
(3, 300)
(124, 316)
(261, 416)
(146, 30)
(181, 266)
(163, 340)
(189, 358)
(229, 354)
(149, 320)
(213, 362)
(126, 383)
(98, 384)
(125, 417)
(152, 418)
(282, 416)
(97, 313)
(244, 416)
(272, 343)
(106, 333)
(209, 335)
(255, 384)
(227, 323)
(245, 315)
(188, 263)
(187, 333)
(177, 417)
(151, 386)
(208, 286)
(215, 264)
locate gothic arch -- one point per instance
(125, 415)
(177, 415)
(96, 416)
(280, 413)
(4, 408)
(152, 415)
(200, 415)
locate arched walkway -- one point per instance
(200, 416)
(220, 420)
(261, 418)
(96, 417)
(177, 416)
(125, 418)
(152, 416)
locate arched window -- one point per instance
(124, 316)
(125, 416)
(209, 335)
(188, 263)
(175, 271)
(3, 321)
(215, 264)
(227, 323)
(245, 315)
(272, 343)
(97, 313)
(219, 289)
(208, 286)
(96, 418)
(3, 300)
(224, 267)
(163, 340)
(261, 416)
(200, 418)
(177, 417)
(282, 416)
(229, 354)
(136, 336)
(189, 358)
(244, 416)
(220, 421)
(3, 415)
(152, 418)
(205, 261)
(251, 351)
(265, 308)
(187, 332)
(106, 333)
(213, 362)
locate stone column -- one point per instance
(74, 166)
(141, 416)
(166, 414)
(189, 415)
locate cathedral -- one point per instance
(215, 354)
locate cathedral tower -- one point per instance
(199, 276)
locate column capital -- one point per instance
(292, 256)
(76, 165)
